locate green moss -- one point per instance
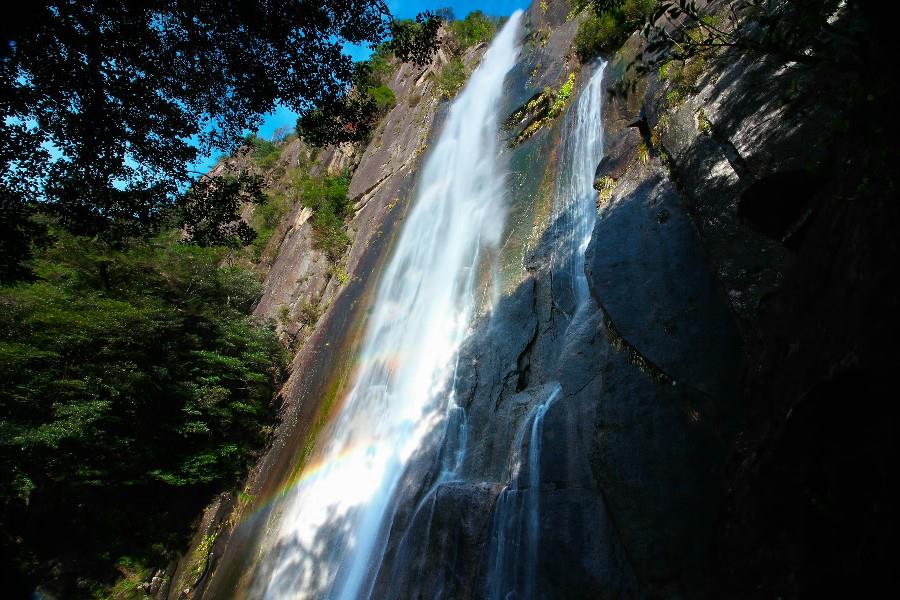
(200, 559)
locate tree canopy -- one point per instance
(104, 106)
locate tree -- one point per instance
(104, 106)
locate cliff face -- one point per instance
(654, 424)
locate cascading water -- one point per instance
(574, 211)
(329, 534)
(515, 545)
(514, 551)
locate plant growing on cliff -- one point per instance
(309, 312)
(608, 23)
(562, 96)
(384, 98)
(264, 152)
(476, 28)
(452, 78)
(327, 197)
(605, 187)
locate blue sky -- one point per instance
(284, 117)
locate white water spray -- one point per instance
(330, 533)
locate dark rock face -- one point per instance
(667, 399)
(779, 204)
(439, 553)
(648, 270)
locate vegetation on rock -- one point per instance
(608, 23)
(476, 28)
(452, 78)
(327, 197)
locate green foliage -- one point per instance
(562, 96)
(266, 217)
(309, 312)
(373, 76)
(703, 122)
(381, 64)
(129, 375)
(643, 153)
(327, 197)
(606, 185)
(682, 78)
(384, 98)
(209, 210)
(452, 78)
(474, 29)
(598, 33)
(415, 41)
(636, 12)
(200, 559)
(341, 274)
(609, 24)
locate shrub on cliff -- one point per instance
(452, 78)
(327, 197)
(608, 24)
(264, 152)
(596, 34)
(474, 29)
(384, 98)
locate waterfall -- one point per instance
(515, 542)
(574, 210)
(329, 535)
